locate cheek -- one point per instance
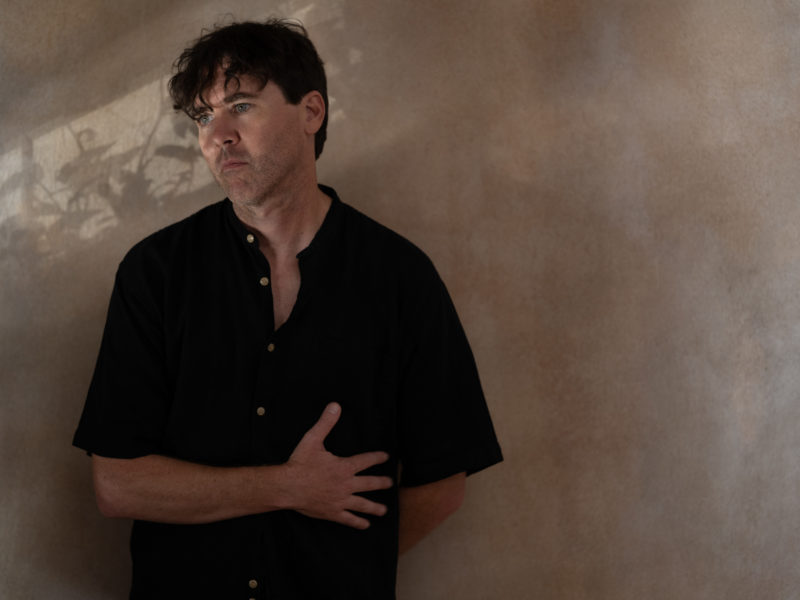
(206, 150)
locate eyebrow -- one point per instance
(238, 96)
(226, 100)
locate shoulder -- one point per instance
(383, 246)
(178, 240)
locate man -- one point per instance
(284, 398)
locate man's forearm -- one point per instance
(424, 507)
(313, 482)
(168, 490)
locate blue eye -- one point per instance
(204, 119)
(242, 107)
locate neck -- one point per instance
(285, 224)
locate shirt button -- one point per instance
(264, 281)
(261, 411)
(250, 238)
(253, 584)
(271, 348)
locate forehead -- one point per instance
(224, 88)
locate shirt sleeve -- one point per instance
(127, 403)
(445, 426)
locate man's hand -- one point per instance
(324, 486)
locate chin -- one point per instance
(236, 193)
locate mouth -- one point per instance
(231, 164)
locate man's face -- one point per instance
(252, 139)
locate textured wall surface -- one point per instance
(609, 190)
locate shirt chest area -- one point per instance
(245, 392)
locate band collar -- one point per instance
(330, 224)
(322, 238)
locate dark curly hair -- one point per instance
(276, 50)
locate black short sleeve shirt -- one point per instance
(191, 366)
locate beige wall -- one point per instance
(609, 189)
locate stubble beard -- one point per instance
(254, 184)
(247, 186)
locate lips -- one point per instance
(232, 163)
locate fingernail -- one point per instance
(334, 408)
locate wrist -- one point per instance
(273, 487)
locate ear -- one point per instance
(314, 107)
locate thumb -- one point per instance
(320, 430)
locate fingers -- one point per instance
(361, 462)
(320, 430)
(372, 483)
(367, 507)
(363, 506)
(351, 520)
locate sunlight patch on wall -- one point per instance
(117, 162)
(11, 175)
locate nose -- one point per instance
(222, 131)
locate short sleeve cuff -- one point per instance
(472, 461)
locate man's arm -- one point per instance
(313, 482)
(424, 507)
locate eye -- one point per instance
(204, 119)
(242, 107)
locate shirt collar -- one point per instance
(330, 224)
(321, 240)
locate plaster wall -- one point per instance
(608, 189)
